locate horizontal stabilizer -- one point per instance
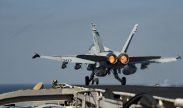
(143, 59)
(92, 58)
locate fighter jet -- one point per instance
(102, 61)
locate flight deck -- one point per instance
(102, 96)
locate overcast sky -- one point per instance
(62, 27)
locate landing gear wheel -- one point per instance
(123, 82)
(87, 80)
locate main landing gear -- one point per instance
(96, 80)
(87, 80)
(93, 80)
(123, 81)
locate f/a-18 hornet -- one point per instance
(102, 61)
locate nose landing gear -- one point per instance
(122, 80)
(92, 80)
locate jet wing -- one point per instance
(72, 59)
(152, 59)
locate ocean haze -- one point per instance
(63, 28)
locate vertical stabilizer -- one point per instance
(96, 39)
(125, 47)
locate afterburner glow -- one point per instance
(123, 58)
(111, 58)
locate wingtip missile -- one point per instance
(178, 57)
(36, 55)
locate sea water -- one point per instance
(4, 88)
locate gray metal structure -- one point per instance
(80, 97)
